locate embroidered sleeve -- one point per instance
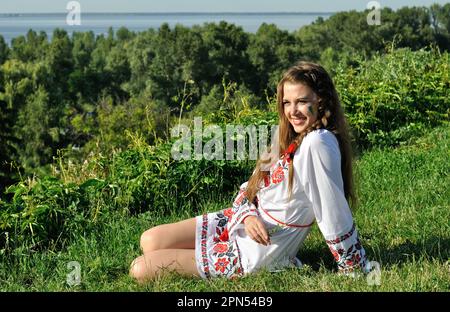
(242, 208)
(320, 171)
(348, 252)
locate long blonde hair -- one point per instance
(330, 116)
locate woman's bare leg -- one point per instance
(166, 247)
(179, 235)
(154, 263)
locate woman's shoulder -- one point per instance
(319, 144)
(319, 138)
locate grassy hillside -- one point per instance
(403, 220)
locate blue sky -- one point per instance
(43, 6)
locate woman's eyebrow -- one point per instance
(300, 98)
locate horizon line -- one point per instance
(180, 12)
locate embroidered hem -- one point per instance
(216, 255)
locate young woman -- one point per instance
(309, 181)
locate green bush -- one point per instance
(394, 97)
(47, 211)
(148, 178)
(388, 100)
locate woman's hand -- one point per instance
(255, 228)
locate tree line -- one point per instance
(83, 91)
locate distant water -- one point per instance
(13, 25)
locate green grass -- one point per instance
(403, 219)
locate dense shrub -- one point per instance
(396, 96)
(47, 211)
(388, 100)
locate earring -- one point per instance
(325, 118)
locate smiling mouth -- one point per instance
(298, 121)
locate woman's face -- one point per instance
(300, 105)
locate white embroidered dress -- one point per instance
(222, 246)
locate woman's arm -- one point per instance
(241, 209)
(320, 172)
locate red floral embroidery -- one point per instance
(228, 213)
(343, 237)
(356, 258)
(224, 236)
(239, 199)
(220, 255)
(221, 248)
(278, 175)
(203, 246)
(335, 254)
(347, 251)
(221, 264)
(279, 169)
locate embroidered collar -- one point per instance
(286, 158)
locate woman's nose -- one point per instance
(294, 108)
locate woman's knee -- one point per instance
(138, 269)
(154, 263)
(151, 239)
(180, 235)
(146, 267)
